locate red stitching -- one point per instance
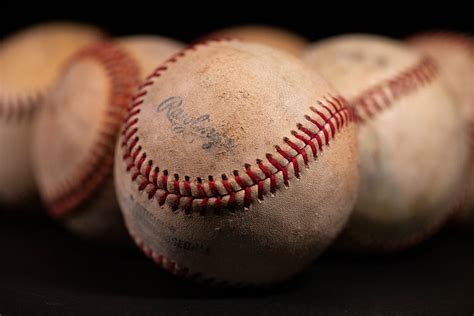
(235, 192)
(268, 174)
(200, 188)
(187, 186)
(279, 167)
(148, 169)
(290, 159)
(21, 109)
(226, 184)
(295, 147)
(165, 263)
(251, 174)
(307, 142)
(376, 98)
(212, 186)
(314, 135)
(164, 179)
(123, 73)
(173, 267)
(239, 180)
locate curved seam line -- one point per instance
(132, 150)
(99, 162)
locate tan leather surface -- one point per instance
(248, 82)
(150, 50)
(413, 153)
(455, 55)
(267, 35)
(251, 96)
(357, 62)
(30, 60)
(78, 117)
(67, 131)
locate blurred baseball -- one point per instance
(76, 131)
(267, 35)
(30, 61)
(454, 54)
(413, 143)
(236, 165)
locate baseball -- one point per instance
(454, 54)
(29, 61)
(76, 131)
(412, 141)
(236, 165)
(267, 35)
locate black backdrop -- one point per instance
(45, 270)
(186, 21)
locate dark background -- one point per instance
(45, 270)
(186, 20)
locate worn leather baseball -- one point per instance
(454, 54)
(413, 143)
(268, 35)
(30, 60)
(236, 165)
(75, 133)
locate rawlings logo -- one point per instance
(193, 127)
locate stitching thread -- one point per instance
(240, 189)
(251, 185)
(22, 109)
(381, 96)
(123, 73)
(175, 268)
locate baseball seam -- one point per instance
(22, 109)
(240, 189)
(123, 73)
(373, 101)
(175, 268)
(382, 95)
(307, 140)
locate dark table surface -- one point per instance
(45, 270)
